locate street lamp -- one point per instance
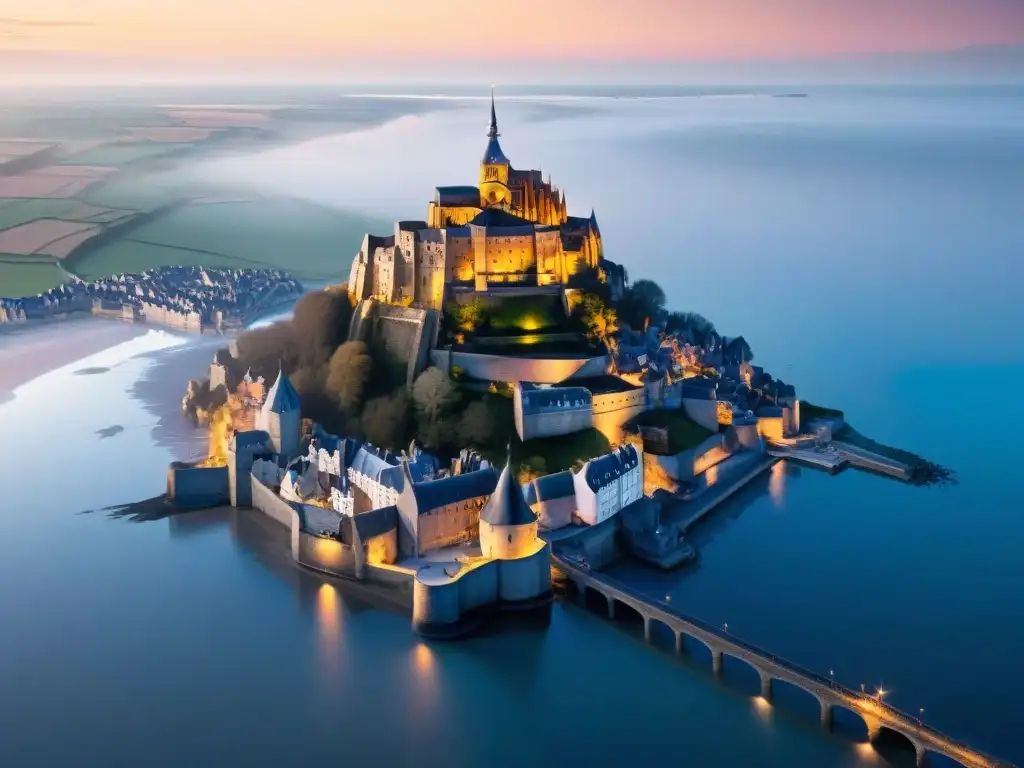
(727, 626)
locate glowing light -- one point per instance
(328, 552)
(328, 616)
(777, 485)
(423, 661)
(762, 706)
(866, 752)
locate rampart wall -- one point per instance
(538, 370)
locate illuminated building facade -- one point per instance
(511, 230)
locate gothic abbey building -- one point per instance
(512, 230)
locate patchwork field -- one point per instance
(122, 153)
(312, 242)
(82, 170)
(42, 235)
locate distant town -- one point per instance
(183, 298)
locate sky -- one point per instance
(381, 34)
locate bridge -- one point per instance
(876, 714)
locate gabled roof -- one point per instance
(556, 486)
(507, 505)
(434, 494)
(606, 469)
(282, 397)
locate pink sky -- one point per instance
(452, 29)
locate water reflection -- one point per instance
(762, 707)
(328, 622)
(777, 484)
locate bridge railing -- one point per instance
(721, 634)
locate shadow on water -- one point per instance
(91, 371)
(145, 511)
(109, 431)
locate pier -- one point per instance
(837, 455)
(876, 715)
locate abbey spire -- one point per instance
(493, 133)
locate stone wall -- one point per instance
(539, 370)
(189, 485)
(406, 333)
(704, 412)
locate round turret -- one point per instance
(508, 527)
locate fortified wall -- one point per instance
(406, 333)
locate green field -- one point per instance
(561, 452)
(132, 194)
(683, 432)
(308, 240)
(122, 153)
(20, 276)
(23, 210)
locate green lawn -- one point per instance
(561, 452)
(310, 241)
(122, 153)
(683, 432)
(20, 277)
(24, 210)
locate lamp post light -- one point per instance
(727, 626)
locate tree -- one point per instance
(385, 420)
(434, 395)
(348, 373)
(265, 350)
(699, 325)
(600, 319)
(468, 317)
(476, 427)
(643, 303)
(320, 322)
(533, 467)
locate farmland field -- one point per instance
(27, 276)
(122, 153)
(310, 241)
(21, 211)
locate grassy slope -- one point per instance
(683, 432)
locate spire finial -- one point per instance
(493, 133)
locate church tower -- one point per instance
(281, 417)
(494, 168)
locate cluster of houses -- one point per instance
(189, 298)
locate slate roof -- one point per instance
(507, 505)
(282, 396)
(603, 470)
(412, 226)
(375, 522)
(459, 196)
(434, 494)
(496, 217)
(537, 399)
(769, 411)
(371, 461)
(494, 155)
(556, 486)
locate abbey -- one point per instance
(512, 230)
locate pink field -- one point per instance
(172, 134)
(35, 236)
(219, 118)
(54, 181)
(60, 249)
(84, 211)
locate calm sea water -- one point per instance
(866, 243)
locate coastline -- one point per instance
(30, 350)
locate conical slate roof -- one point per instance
(507, 505)
(282, 397)
(493, 154)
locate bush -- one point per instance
(385, 420)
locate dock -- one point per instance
(837, 455)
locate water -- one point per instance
(866, 243)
